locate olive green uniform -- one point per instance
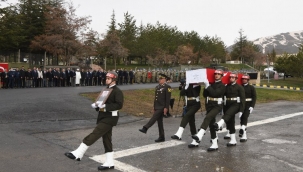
(161, 101)
(212, 93)
(232, 107)
(106, 120)
(193, 105)
(250, 97)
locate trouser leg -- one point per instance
(107, 141)
(161, 127)
(231, 124)
(157, 114)
(100, 130)
(213, 133)
(244, 117)
(211, 114)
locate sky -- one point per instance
(221, 18)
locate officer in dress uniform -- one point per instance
(213, 94)
(250, 101)
(234, 103)
(192, 102)
(161, 106)
(107, 119)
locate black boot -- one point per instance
(216, 127)
(143, 130)
(71, 156)
(101, 168)
(175, 137)
(160, 139)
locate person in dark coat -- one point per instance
(250, 102)
(107, 118)
(161, 106)
(22, 77)
(213, 94)
(234, 103)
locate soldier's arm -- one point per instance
(118, 104)
(219, 92)
(242, 98)
(254, 96)
(168, 96)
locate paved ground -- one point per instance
(38, 125)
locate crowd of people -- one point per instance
(66, 77)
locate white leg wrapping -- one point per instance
(194, 142)
(79, 152)
(214, 143)
(221, 123)
(200, 134)
(180, 132)
(244, 132)
(233, 139)
(109, 160)
(228, 134)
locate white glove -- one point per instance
(240, 114)
(101, 105)
(206, 84)
(250, 109)
(186, 86)
(94, 105)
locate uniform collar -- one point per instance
(245, 84)
(111, 86)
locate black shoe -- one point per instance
(226, 137)
(160, 140)
(100, 168)
(192, 146)
(71, 156)
(211, 149)
(229, 144)
(216, 127)
(143, 130)
(175, 137)
(243, 140)
(196, 138)
(241, 132)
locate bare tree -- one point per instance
(186, 54)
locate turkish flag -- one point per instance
(225, 80)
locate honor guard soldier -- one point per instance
(192, 103)
(234, 102)
(107, 118)
(161, 105)
(214, 103)
(250, 101)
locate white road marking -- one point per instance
(147, 148)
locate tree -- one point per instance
(61, 36)
(111, 47)
(186, 55)
(128, 33)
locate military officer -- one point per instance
(234, 103)
(250, 101)
(192, 102)
(107, 118)
(161, 105)
(213, 94)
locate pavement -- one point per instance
(37, 126)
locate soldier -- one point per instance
(131, 76)
(234, 103)
(153, 76)
(107, 118)
(161, 106)
(191, 93)
(213, 102)
(22, 77)
(63, 78)
(250, 101)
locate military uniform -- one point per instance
(193, 105)
(214, 104)
(161, 101)
(107, 118)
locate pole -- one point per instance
(267, 69)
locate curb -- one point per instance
(279, 87)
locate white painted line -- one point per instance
(147, 148)
(142, 149)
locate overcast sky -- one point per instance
(221, 18)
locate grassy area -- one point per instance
(292, 82)
(140, 102)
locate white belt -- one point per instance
(234, 98)
(248, 99)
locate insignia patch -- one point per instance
(170, 89)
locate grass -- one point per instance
(292, 82)
(140, 102)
